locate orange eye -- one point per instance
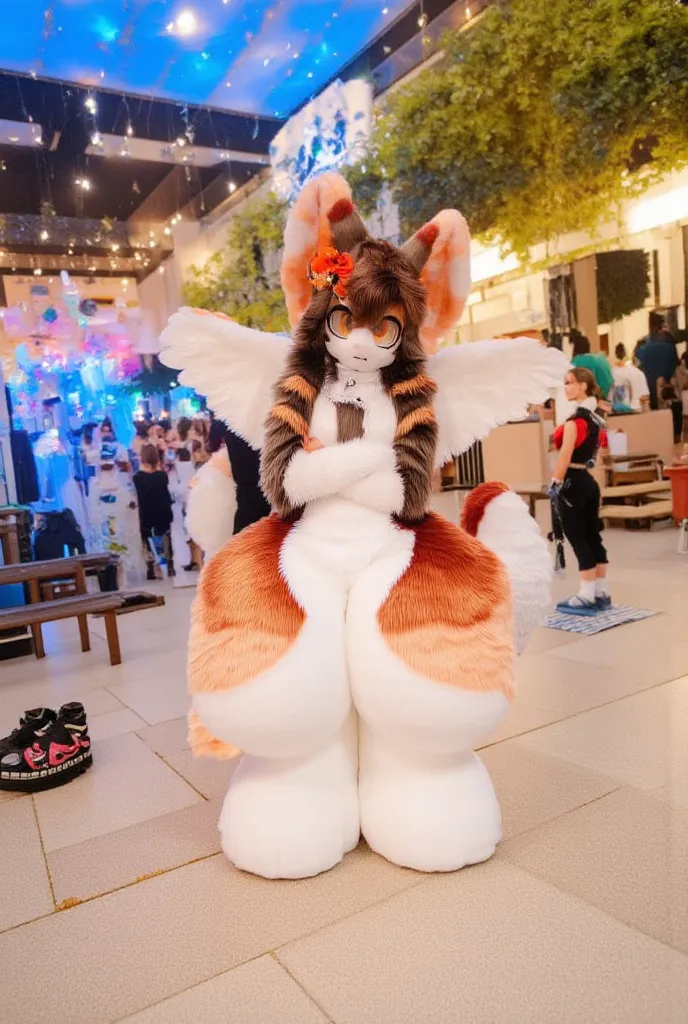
(340, 321)
(387, 332)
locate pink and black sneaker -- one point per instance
(52, 756)
(32, 722)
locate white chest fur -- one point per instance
(363, 390)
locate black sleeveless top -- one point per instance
(586, 452)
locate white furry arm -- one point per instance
(234, 367)
(329, 471)
(382, 491)
(483, 384)
(210, 509)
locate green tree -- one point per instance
(539, 119)
(242, 279)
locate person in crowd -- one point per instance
(155, 510)
(109, 441)
(90, 453)
(595, 362)
(682, 389)
(244, 463)
(142, 430)
(657, 358)
(578, 495)
(182, 472)
(629, 382)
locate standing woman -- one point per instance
(578, 493)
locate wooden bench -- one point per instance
(653, 510)
(636, 490)
(109, 606)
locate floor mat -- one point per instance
(588, 625)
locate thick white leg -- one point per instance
(431, 813)
(291, 810)
(294, 817)
(426, 800)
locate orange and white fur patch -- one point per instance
(305, 636)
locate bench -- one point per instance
(636, 490)
(653, 510)
(109, 606)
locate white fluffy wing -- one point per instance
(234, 367)
(483, 384)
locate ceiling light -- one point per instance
(422, 21)
(161, 269)
(44, 235)
(115, 247)
(231, 187)
(13, 138)
(37, 272)
(167, 231)
(181, 141)
(385, 10)
(130, 130)
(91, 105)
(186, 22)
(152, 243)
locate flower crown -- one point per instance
(331, 269)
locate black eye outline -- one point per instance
(337, 309)
(397, 336)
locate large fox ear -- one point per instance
(323, 215)
(441, 253)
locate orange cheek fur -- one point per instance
(244, 618)
(450, 616)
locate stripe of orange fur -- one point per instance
(450, 616)
(204, 744)
(244, 618)
(298, 385)
(418, 418)
(414, 386)
(291, 417)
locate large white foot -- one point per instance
(428, 813)
(295, 817)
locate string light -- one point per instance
(44, 235)
(422, 21)
(91, 105)
(83, 183)
(231, 187)
(130, 129)
(37, 272)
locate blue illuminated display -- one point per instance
(262, 57)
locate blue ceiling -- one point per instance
(260, 57)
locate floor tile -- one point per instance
(119, 858)
(167, 737)
(115, 723)
(159, 695)
(626, 853)
(491, 945)
(533, 788)
(522, 718)
(260, 992)
(675, 793)
(206, 774)
(640, 740)
(126, 785)
(133, 948)
(24, 884)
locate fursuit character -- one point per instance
(354, 647)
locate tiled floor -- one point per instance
(116, 904)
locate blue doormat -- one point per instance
(588, 625)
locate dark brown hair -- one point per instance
(150, 455)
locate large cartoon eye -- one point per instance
(387, 332)
(340, 321)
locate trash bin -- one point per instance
(679, 492)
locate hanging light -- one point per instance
(231, 187)
(44, 235)
(91, 105)
(186, 22)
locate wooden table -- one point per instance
(532, 493)
(32, 573)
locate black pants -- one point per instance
(580, 516)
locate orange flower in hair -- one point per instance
(331, 269)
